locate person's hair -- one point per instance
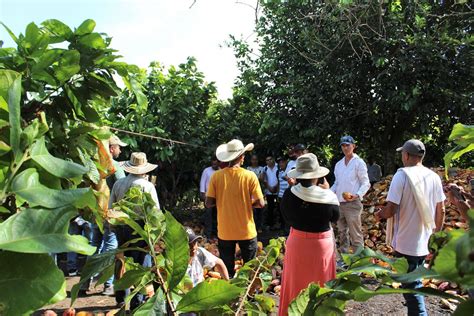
(254, 156)
(234, 162)
(417, 158)
(214, 158)
(305, 182)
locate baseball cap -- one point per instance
(299, 147)
(413, 147)
(347, 140)
(114, 140)
(192, 237)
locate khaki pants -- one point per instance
(349, 224)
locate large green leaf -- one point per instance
(465, 308)
(58, 30)
(86, 27)
(155, 306)
(10, 90)
(42, 231)
(58, 167)
(29, 282)
(130, 278)
(68, 65)
(34, 130)
(177, 251)
(35, 39)
(27, 186)
(93, 40)
(206, 296)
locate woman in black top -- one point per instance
(309, 209)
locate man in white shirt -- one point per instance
(270, 181)
(259, 172)
(137, 168)
(415, 209)
(350, 185)
(295, 152)
(210, 214)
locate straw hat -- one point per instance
(114, 140)
(307, 167)
(137, 164)
(232, 150)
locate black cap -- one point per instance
(299, 147)
(192, 237)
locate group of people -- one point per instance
(309, 206)
(298, 198)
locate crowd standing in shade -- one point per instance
(297, 200)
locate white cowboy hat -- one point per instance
(114, 140)
(307, 167)
(232, 150)
(137, 164)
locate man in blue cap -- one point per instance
(350, 185)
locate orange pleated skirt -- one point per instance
(309, 257)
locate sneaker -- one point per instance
(108, 290)
(72, 272)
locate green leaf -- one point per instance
(34, 130)
(27, 185)
(4, 148)
(266, 302)
(206, 296)
(42, 231)
(93, 40)
(34, 38)
(68, 66)
(58, 30)
(10, 90)
(29, 282)
(137, 90)
(419, 273)
(130, 278)
(94, 264)
(12, 35)
(86, 27)
(155, 306)
(58, 167)
(443, 263)
(177, 251)
(465, 308)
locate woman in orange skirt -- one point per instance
(309, 209)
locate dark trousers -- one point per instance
(248, 250)
(415, 302)
(210, 222)
(124, 234)
(272, 212)
(283, 225)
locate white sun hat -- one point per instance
(307, 167)
(137, 164)
(232, 150)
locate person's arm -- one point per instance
(334, 185)
(439, 216)
(210, 202)
(154, 195)
(335, 214)
(222, 269)
(363, 177)
(202, 185)
(259, 203)
(256, 194)
(388, 211)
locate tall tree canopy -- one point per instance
(383, 71)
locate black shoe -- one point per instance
(73, 272)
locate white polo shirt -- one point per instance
(410, 236)
(271, 177)
(205, 177)
(351, 178)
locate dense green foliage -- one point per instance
(382, 71)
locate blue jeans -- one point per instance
(415, 302)
(77, 227)
(104, 242)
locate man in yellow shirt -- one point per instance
(236, 192)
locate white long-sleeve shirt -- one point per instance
(351, 178)
(205, 177)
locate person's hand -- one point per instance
(377, 215)
(349, 197)
(291, 181)
(324, 185)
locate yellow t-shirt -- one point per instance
(235, 190)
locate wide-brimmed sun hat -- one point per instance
(307, 167)
(137, 164)
(232, 150)
(114, 140)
